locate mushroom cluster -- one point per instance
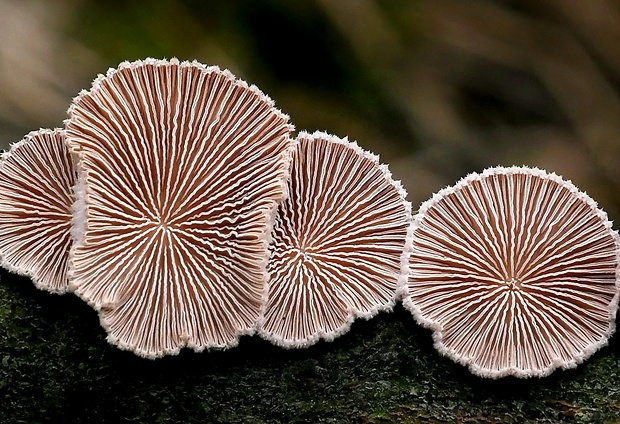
(177, 202)
(163, 204)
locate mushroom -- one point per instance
(180, 169)
(36, 176)
(339, 243)
(516, 272)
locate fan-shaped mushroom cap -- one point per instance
(36, 177)
(516, 271)
(181, 167)
(338, 245)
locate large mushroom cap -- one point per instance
(516, 272)
(36, 177)
(339, 243)
(181, 167)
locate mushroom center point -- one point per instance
(302, 255)
(161, 224)
(514, 284)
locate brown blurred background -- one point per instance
(438, 88)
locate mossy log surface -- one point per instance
(56, 366)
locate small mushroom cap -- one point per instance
(516, 272)
(339, 243)
(181, 167)
(36, 176)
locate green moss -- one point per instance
(55, 366)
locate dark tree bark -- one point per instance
(55, 366)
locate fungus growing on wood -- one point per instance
(180, 169)
(339, 243)
(516, 272)
(36, 176)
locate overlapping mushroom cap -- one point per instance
(36, 177)
(339, 243)
(180, 170)
(516, 271)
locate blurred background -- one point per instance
(437, 88)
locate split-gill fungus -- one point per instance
(180, 169)
(339, 242)
(36, 176)
(515, 271)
